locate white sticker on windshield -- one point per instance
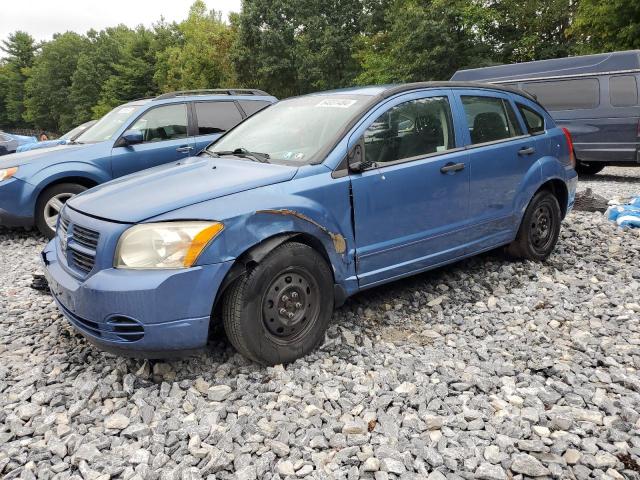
(126, 110)
(336, 103)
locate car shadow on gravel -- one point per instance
(610, 178)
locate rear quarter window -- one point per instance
(532, 119)
(583, 93)
(623, 91)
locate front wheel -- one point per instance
(590, 168)
(539, 230)
(279, 311)
(50, 203)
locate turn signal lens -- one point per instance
(7, 173)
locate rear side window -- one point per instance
(163, 123)
(216, 117)
(252, 106)
(532, 119)
(411, 129)
(566, 94)
(490, 119)
(623, 91)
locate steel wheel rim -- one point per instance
(541, 228)
(53, 207)
(291, 305)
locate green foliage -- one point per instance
(201, 58)
(607, 25)
(290, 47)
(20, 50)
(49, 84)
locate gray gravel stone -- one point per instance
(487, 369)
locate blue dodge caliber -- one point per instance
(304, 204)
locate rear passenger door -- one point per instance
(501, 152)
(165, 139)
(212, 119)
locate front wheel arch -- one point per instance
(256, 253)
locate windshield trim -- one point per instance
(332, 142)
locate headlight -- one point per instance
(164, 245)
(7, 173)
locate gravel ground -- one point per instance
(486, 369)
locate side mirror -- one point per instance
(129, 138)
(357, 160)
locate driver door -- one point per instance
(411, 207)
(165, 132)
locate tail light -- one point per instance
(572, 155)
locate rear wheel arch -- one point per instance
(559, 190)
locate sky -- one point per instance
(43, 18)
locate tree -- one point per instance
(20, 49)
(607, 25)
(289, 48)
(47, 89)
(201, 59)
(524, 31)
(420, 40)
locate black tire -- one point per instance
(41, 215)
(539, 230)
(293, 277)
(590, 168)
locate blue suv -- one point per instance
(141, 134)
(304, 204)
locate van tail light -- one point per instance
(572, 155)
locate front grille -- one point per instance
(85, 237)
(78, 244)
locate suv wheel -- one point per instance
(589, 168)
(539, 230)
(50, 203)
(279, 311)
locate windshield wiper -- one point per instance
(243, 152)
(211, 154)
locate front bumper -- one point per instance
(17, 203)
(139, 313)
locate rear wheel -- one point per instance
(589, 168)
(50, 204)
(539, 230)
(280, 310)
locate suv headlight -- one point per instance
(164, 245)
(7, 173)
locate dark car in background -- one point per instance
(594, 96)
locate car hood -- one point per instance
(159, 190)
(51, 155)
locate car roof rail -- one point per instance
(212, 91)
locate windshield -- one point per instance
(293, 131)
(108, 125)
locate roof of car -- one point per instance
(206, 94)
(386, 91)
(612, 62)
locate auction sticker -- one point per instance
(336, 103)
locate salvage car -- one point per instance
(141, 134)
(304, 204)
(68, 137)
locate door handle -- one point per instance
(184, 149)
(452, 167)
(526, 151)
